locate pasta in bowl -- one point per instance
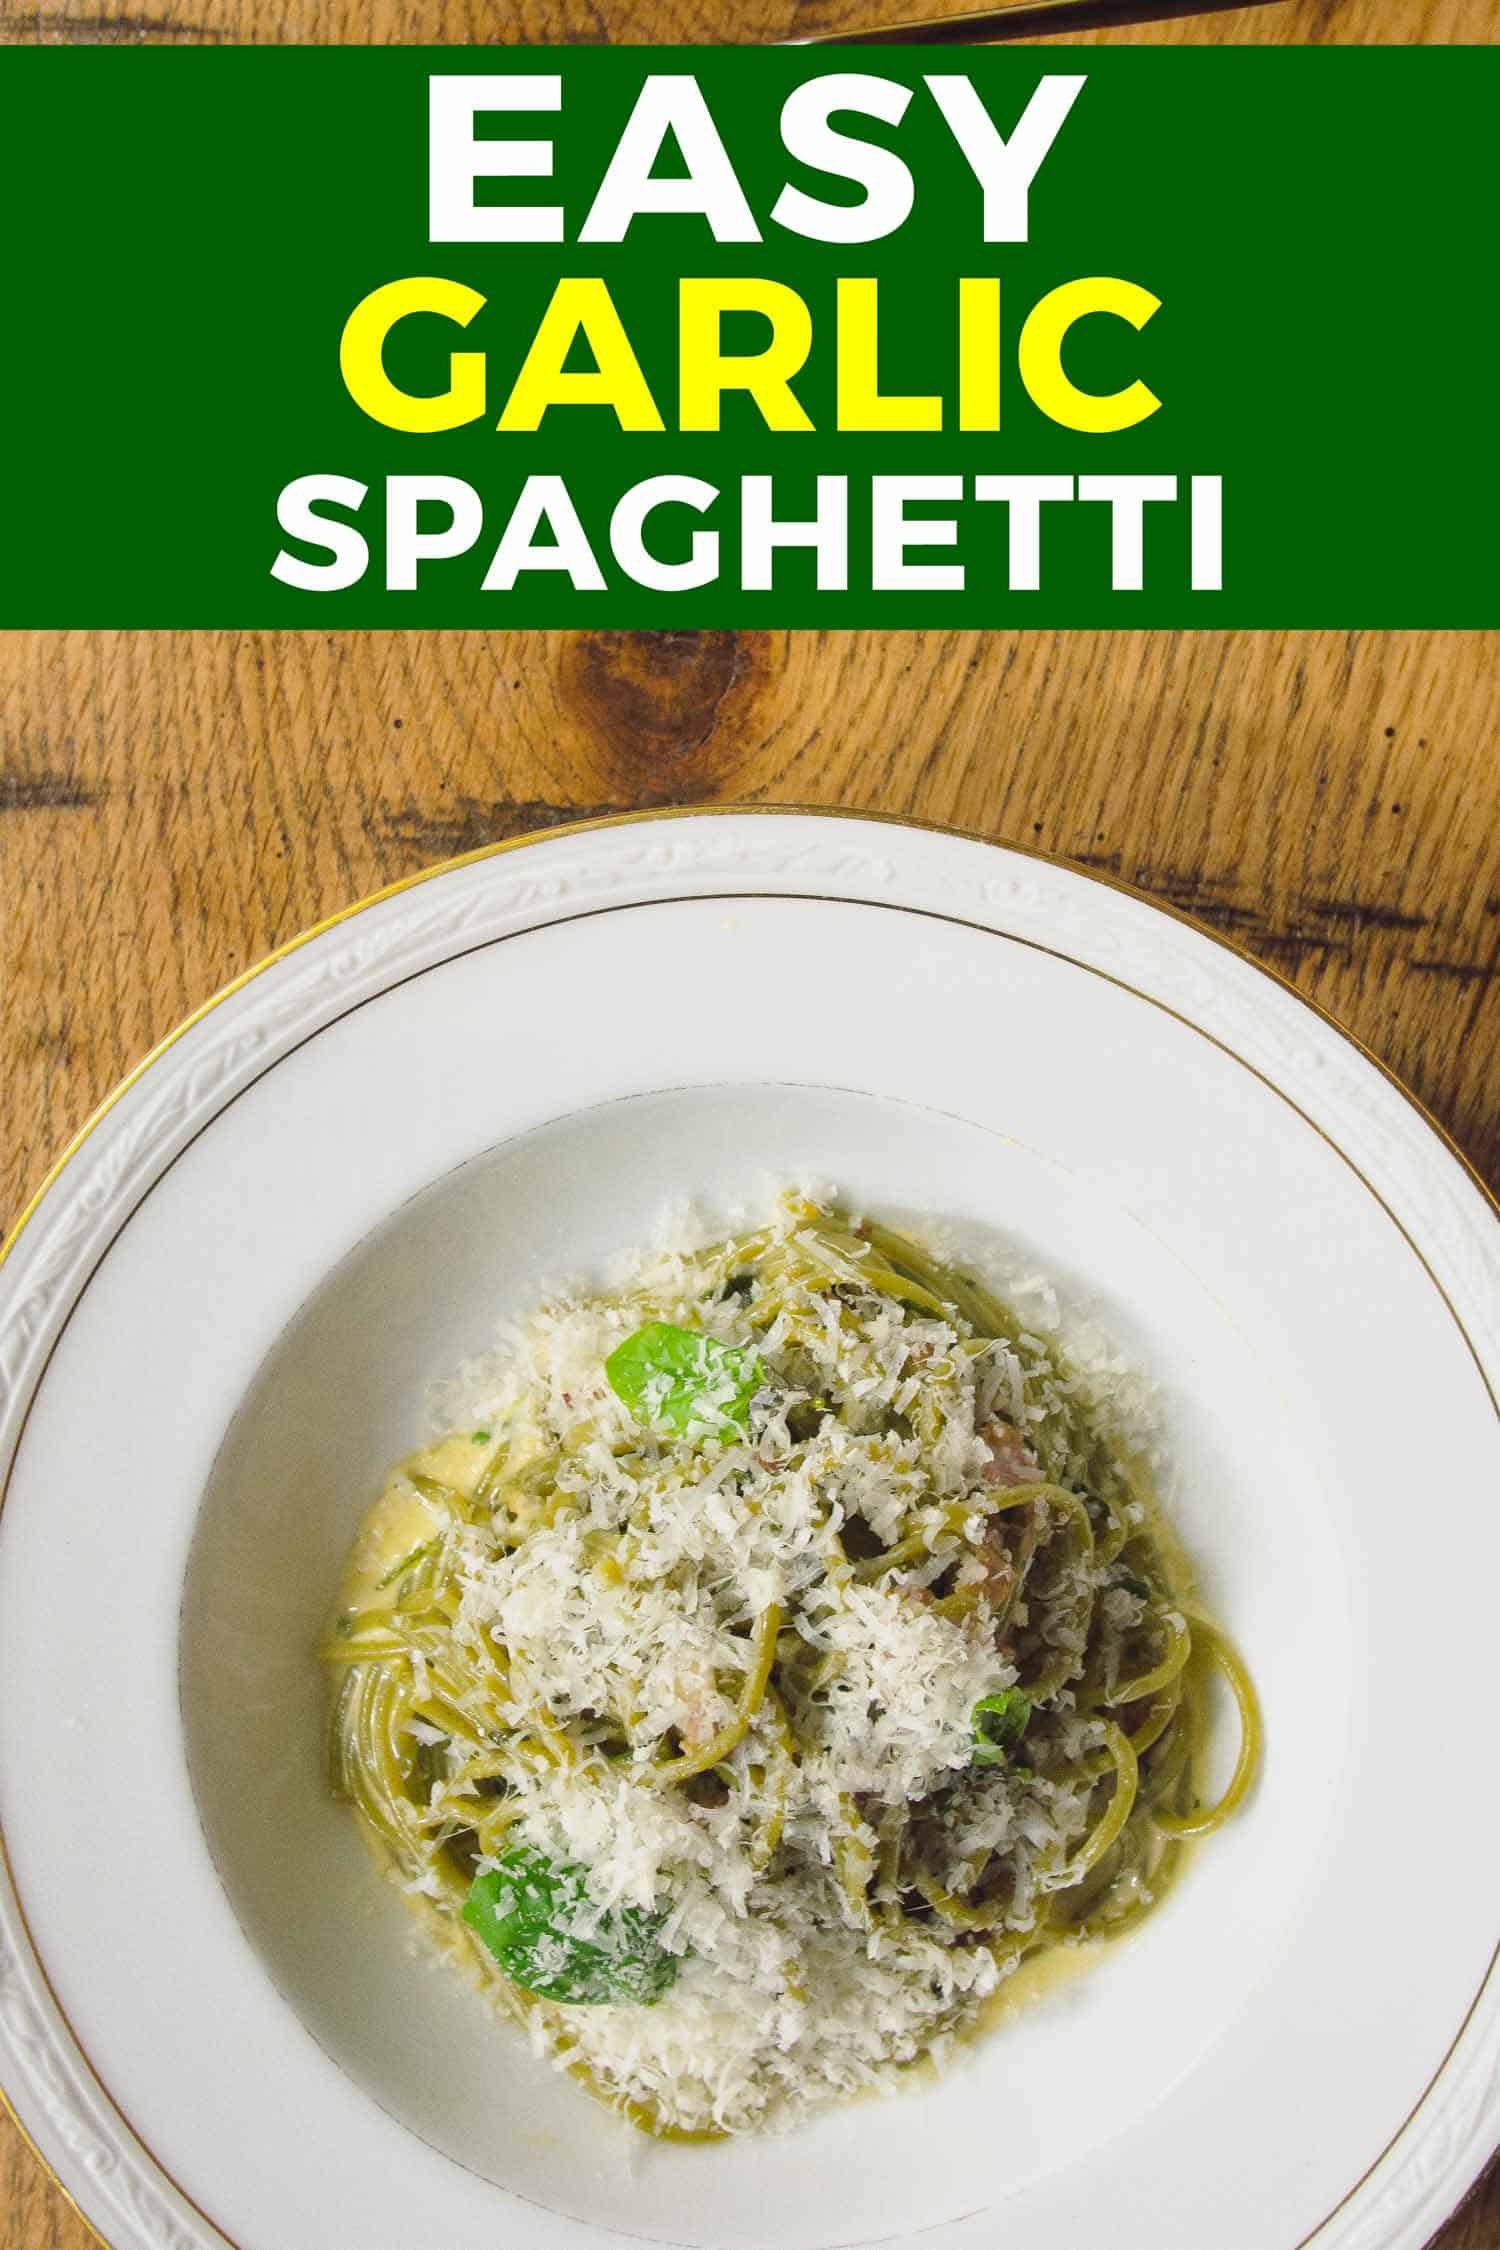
(790, 1649)
(382, 1146)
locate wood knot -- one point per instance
(659, 701)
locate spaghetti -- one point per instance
(789, 1648)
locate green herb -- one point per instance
(999, 1721)
(482, 1437)
(551, 1939)
(407, 1562)
(1136, 1586)
(675, 1378)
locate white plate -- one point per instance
(219, 1322)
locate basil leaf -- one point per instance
(999, 1721)
(549, 1937)
(676, 1378)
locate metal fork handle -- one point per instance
(1023, 19)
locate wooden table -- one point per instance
(172, 805)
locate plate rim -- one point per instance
(730, 808)
(827, 815)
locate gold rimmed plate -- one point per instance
(220, 1320)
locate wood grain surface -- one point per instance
(173, 805)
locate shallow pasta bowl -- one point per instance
(218, 1325)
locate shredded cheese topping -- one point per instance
(718, 1659)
